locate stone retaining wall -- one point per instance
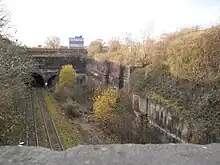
(167, 120)
(109, 72)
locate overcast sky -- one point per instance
(93, 19)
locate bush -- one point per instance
(104, 104)
(123, 123)
(72, 108)
(67, 77)
(83, 93)
(60, 95)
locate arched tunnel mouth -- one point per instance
(52, 81)
(37, 80)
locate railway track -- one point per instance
(30, 121)
(50, 128)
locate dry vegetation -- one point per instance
(14, 70)
(181, 70)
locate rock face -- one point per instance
(114, 154)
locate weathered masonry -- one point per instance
(166, 120)
(49, 66)
(110, 73)
(48, 62)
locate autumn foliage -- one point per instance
(194, 54)
(104, 105)
(67, 77)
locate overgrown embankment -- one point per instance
(181, 72)
(188, 80)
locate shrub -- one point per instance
(60, 95)
(67, 77)
(83, 93)
(123, 123)
(104, 105)
(72, 108)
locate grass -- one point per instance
(67, 132)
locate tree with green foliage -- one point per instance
(67, 77)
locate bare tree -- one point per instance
(96, 47)
(52, 42)
(143, 51)
(132, 51)
(114, 45)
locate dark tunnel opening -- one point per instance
(37, 80)
(52, 81)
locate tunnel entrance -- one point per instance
(52, 81)
(37, 80)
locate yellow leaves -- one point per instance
(104, 104)
(67, 76)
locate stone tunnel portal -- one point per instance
(37, 80)
(52, 81)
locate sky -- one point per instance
(35, 20)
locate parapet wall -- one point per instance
(48, 51)
(120, 154)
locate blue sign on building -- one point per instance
(77, 41)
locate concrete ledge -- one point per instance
(120, 154)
